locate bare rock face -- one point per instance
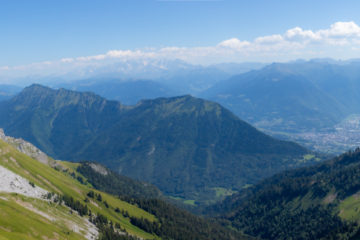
(27, 148)
(13, 183)
(99, 169)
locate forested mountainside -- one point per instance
(318, 202)
(44, 200)
(173, 221)
(188, 147)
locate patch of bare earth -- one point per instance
(30, 207)
(330, 198)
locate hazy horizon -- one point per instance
(70, 38)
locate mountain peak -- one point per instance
(181, 144)
(37, 96)
(36, 88)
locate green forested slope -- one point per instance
(175, 223)
(319, 202)
(188, 147)
(71, 192)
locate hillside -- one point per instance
(106, 180)
(39, 201)
(188, 147)
(175, 222)
(44, 215)
(319, 202)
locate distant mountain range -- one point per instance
(135, 81)
(292, 97)
(281, 97)
(127, 92)
(301, 100)
(188, 147)
(132, 81)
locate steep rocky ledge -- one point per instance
(13, 183)
(27, 148)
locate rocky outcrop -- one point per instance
(27, 148)
(99, 169)
(13, 183)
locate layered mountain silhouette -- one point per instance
(126, 92)
(292, 97)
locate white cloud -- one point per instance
(342, 29)
(234, 43)
(340, 37)
(298, 34)
(340, 34)
(269, 39)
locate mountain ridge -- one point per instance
(179, 144)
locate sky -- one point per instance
(60, 35)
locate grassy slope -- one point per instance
(34, 226)
(349, 208)
(62, 183)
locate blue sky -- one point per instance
(50, 30)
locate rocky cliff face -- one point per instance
(27, 148)
(13, 183)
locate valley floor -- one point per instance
(336, 140)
